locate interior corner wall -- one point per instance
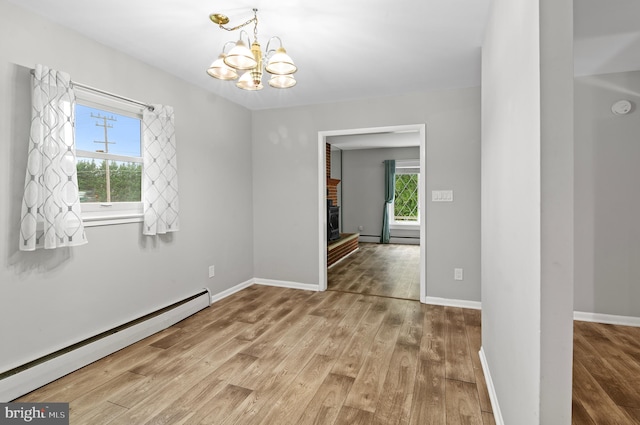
(51, 299)
(607, 200)
(285, 178)
(527, 212)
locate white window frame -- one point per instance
(102, 213)
(403, 164)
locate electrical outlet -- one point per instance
(458, 274)
(212, 271)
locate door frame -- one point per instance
(322, 195)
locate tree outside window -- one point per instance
(109, 160)
(406, 202)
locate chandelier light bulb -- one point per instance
(221, 70)
(282, 81)
(281, 63)
(247, 82)
(240, 57)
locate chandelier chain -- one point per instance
(237, 27)
(254, 19)
(255, 26)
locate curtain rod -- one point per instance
(106, 93)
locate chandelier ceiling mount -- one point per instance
(219, 18)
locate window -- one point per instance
(109, 159)
(405, 209)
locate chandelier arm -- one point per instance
(228, 43)
(267, 50)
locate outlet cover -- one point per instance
(212, 271)
(458, 274)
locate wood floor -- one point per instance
(278, 356)
(606, 370)
(606, 374)
(388, 270)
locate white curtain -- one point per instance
(51, 215)
(160, 171)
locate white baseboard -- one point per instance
(606, 318)
(392, 239)
(449, 302)
(404, 241)
(286, 284)
(227, 292)
(41, 374)
(497, 414)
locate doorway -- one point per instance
(420, 131)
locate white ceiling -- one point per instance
(344, 49)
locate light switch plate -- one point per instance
(442, 195)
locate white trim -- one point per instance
(407, 163)
(322, 194)
(404, 241)
(346, 256)
(392, 240)
(404, 225)
(287, 284)
(28, 380)
(108, 156)
(423, 213)
(98, 100)
(93, 221)
(228, 292)
(322, 214)
(450, 302)
(610, 319)
(495, 406)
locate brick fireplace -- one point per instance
(347, 242)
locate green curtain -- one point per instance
(389, 193)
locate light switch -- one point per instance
(442, 195)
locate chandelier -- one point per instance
(241, 58)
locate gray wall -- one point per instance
(52, 299)
(607, 199)
(527, 208)
(285, 172)
(363, 190)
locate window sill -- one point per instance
(104, 214)
(107, 220)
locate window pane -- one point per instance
(406, 197)
(121, 136)
(124, 179)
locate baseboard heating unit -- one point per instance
(30, 376)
